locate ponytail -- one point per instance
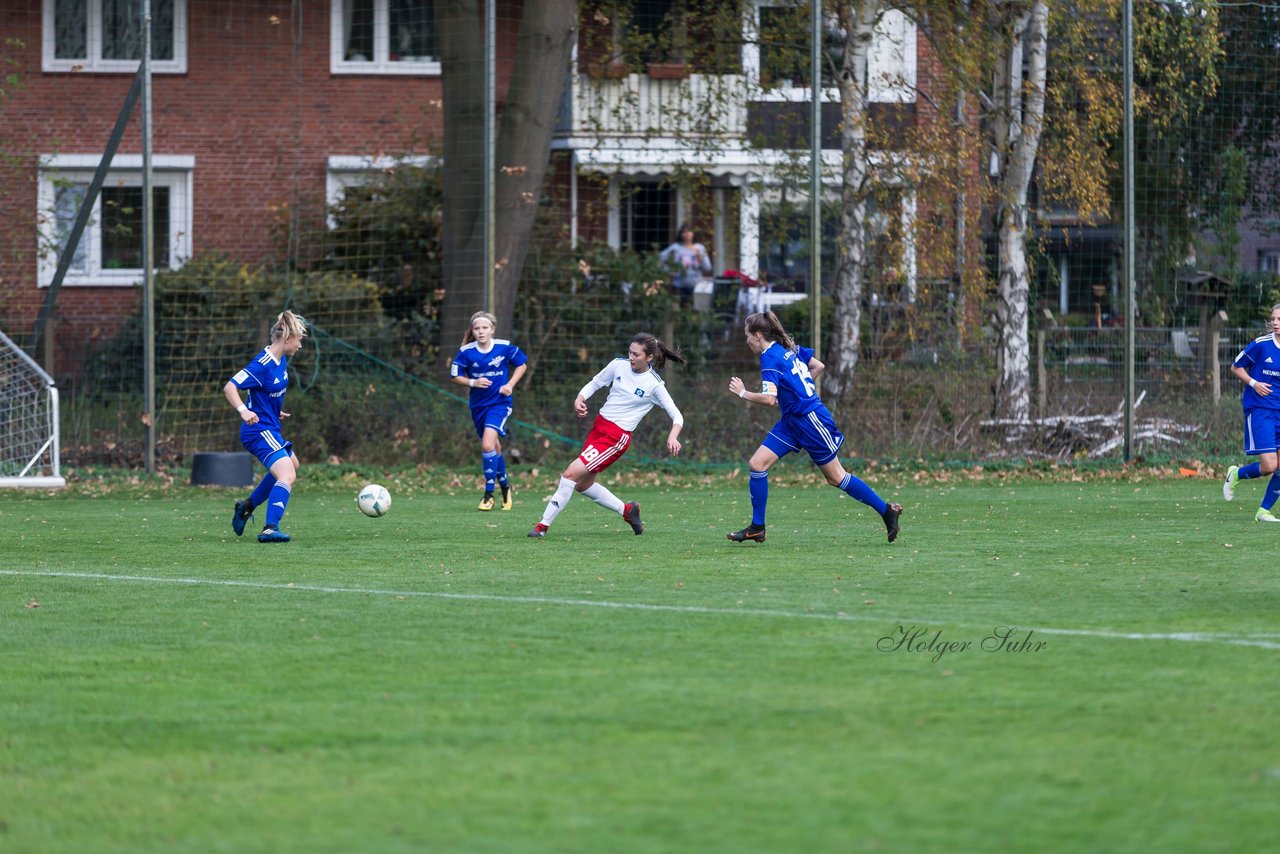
(767, 323)
(288, 325)
(655, 348)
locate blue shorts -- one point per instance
(1261, 427)
(814, 432)
(267, 445)
(494, 417)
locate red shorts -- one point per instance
(605, 445)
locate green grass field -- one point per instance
(436, 681)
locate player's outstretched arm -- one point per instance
(739, 389)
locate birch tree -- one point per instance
(1018, 97)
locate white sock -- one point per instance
(558, 501)
(602, 496)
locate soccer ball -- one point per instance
(374, 500)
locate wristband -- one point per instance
(471, 383)
(241, 408)
(743, 394)
(1252, 382)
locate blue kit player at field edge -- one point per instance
(265, 380)
(491, 368)
(1258, 367)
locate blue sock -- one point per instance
(502, 470)
(759, 486)
(855, 488)
(262, 490)
(1273, 492)
(1250, 471)
(276, 503)
(489, 461)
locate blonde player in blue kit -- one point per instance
(786, 374)
(490, 367)
(266, 379)
(1258, 367)
(634, 388)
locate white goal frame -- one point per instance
(33, 474)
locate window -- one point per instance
(647, 215)
(110, 249)
(346, 172)
(106, 35)
(1269, 261)
(784, 245)
(384, 37)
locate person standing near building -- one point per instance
(687, 261)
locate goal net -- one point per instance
(28, 421)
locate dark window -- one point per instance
(648, 212)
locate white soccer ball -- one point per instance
(374, 500)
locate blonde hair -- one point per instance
(288, 325)
(469, 336)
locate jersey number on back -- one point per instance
(802, 371)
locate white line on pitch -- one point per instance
(1184, 637)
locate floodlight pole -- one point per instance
(1131, 313)
(490, 111)
(815, 176)
(148, 241)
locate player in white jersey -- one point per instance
(634, 388)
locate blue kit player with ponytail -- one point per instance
(787, 371)
(266, 379)
(490, 367)
(1258, 367)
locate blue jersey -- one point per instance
(785, 374)
(1261, 358)
(495, 365)
(266, 380)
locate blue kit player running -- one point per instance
(266, 379)
(490, 367)
(786, 373)
(1258, 367)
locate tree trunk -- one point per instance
(1021, 106)
(857, 18)
(539, 73)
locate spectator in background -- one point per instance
(687, 262)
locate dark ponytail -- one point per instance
(767, 323)
(655, 348)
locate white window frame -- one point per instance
(175, 171)
(891, 63)
(1269, 261)
(344, 171)
(93, 45)
(380, 63)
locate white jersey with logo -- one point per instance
(631, 395)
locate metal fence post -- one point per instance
(1041, 392)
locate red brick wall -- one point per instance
(252, 116)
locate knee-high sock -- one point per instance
(501, 470)
(558, 501)
(262, 490)
(1273, 491)
(759, 486)
(276, 503)
(489, 462)
(1249, 472)
(602, 496)
(855, 488)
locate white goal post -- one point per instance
(28, 422)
